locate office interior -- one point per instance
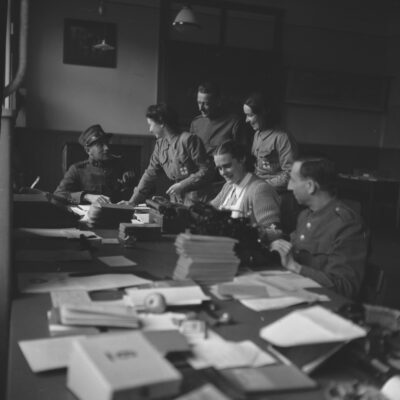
(333, 68)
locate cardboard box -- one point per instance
(120, 366)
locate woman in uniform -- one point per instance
(181, 155)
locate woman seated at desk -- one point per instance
(244, 193)
(181, 155)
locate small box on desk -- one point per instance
(120, 366)
(139, 232)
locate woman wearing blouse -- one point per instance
(244, 193)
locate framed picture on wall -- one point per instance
(336, 89)
(90, 43)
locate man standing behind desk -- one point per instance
(329, 244)
(215, 125)
(101, 178)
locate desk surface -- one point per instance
(28, 321)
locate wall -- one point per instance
(350, 36)
(72, 97)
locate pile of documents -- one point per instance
(99, 315)
(205, 259)
(175, 293)
(108, 215)
(132, 232)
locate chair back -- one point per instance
(373, 286)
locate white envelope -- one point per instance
(310, 326)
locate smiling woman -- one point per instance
(244, 193)
(180, 155)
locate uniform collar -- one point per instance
(331, 204)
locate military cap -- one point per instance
(93, 134)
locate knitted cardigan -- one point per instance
(260, 202)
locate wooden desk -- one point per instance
(28, 321)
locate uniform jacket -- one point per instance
(94, 177)
(217, 130)
(183, 159)
(331, 246)
(275, 151)
(260, 202)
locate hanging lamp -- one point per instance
(185, 19)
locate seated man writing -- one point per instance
(101, 178)
(244, 193)
(329, 244)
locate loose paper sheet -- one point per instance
(78, 297)
(117, 261)
(42, 283)
(312, 325)
(174, 295)
(47, 354)
(219, 353)
(205, 392)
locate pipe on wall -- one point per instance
(22, 55)
(6, 133)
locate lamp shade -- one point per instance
(185, 19)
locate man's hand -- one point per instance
(175, 190)
(127, 178)
(284, 248)
(96, 198)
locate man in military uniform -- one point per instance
(329, 244)
(101, 178)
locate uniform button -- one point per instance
(308, 225)
(302, 237)
(337, 209)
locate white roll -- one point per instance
(391, 389)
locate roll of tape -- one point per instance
(391, 389)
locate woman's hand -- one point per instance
(175, 190)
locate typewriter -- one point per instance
(172, 217)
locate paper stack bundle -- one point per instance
(205, 259)
(108, 215)
(139, 232)
(99, 315)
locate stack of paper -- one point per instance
(139, 232)
(110, 215)
(205, 259)
(175, 295)
(57, 328)
(99, 315)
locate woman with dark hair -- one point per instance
(180, 155)
(244, 193)
(273, 148)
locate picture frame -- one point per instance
(337, 89)
(90, 43)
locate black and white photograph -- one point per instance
(200, 199)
